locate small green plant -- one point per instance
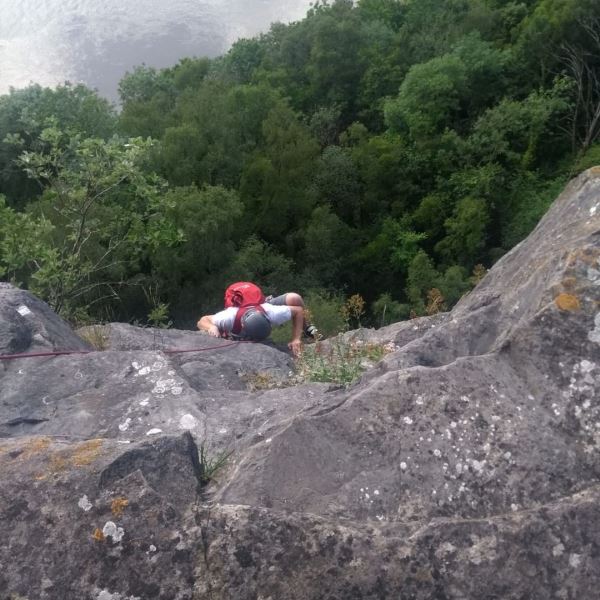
(96, 335)
(159, 313)
(209, 466)
(261, 380)
(339, 362)
(159, 316)
(353, 310)
(478, 274)
(435, 302)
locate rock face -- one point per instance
(465, 465)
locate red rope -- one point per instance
(66, 352)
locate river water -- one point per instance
(97, 41)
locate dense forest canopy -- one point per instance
(389, 148)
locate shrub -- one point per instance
(339, 362)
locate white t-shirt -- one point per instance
(278, 315)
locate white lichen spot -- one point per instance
(453, 424)
(268, 440)
(507, 455)
(176, 390)
(465, 398)
(419, 400)
(125, 425)
(379, 517)
(437, 452)
(84, 503)
(376, 492)
(403, 466)
(145, 402)
(514, 507)
(154, 431)
(408, 420)
(188, 422)
(594, 335)
(136, 365)
(593, 210)
(458, 468)
(593, 275)
(152, 548)
(144, 371)
(111, 530)
(574, 560)
(478, 465)
(558, 550)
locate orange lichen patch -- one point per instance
(35, 446)
(567, 302)
(86, 453)
(98, 535)
(569, 283)
(594, 170)
(81, 455)
(588, 256)
(117, 506)
(57, 463)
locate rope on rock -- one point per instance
(67, 352)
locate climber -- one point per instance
(248, 315)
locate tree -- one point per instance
(514, 133)
(273, 186)
(148, 98)
(257, 261)
(582, 62)
(466, 232)
(422, 277)
(328, 242)
(25, 113)
(105, 214)
(429, 98)
(336, 184)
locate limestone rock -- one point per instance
(465, 465)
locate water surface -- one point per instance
(97, 41)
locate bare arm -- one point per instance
(295, 344)
(206, 324)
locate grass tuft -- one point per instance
(339, 362)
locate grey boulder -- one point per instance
(464, 465)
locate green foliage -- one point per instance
(327, 244)
(25, 113)
(386, 310)
(104, 212)
(257, 261)
(326, 312)
(273, 186)
(429, 97)
(380, 146)
(23, 243)
(211, 465)
(513, 132)
(422, 277)
(465, 232)
(591, 158)
(337, 361)
(530, 199)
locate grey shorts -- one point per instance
(278, 301)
